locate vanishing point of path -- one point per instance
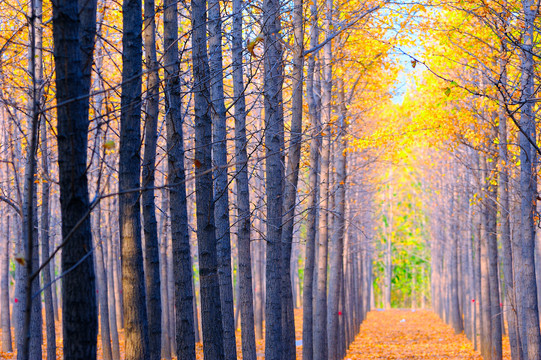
(407, 334)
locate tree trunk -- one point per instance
(454, 310)
(320, 311)
(492, 252)
(113, 324)
(485, 303)
(150, 225)
(336, 248)
(291, 180)
(102, 288)
(206, 231)
(525, 277)
(245, 295)
(221, 196)
(166, 341)
(185, 335)
(45, 208)
(73, 32)
(133, 278)
(311, 202)
(274, 173)
(4, 299)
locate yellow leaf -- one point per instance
(109, 145)
(252, 44)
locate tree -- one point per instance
(183, 293)
(206, 231)
(524, 269)
(274, 173)
(150, 225)
(221, 188)
(73, 34)
(245, 297)
(133, 280)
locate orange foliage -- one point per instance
(406, 334)
(394, 334)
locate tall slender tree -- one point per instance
(74, 28)
(313, 197)
(183, 293)
(524, 268)
(274, 173)
(150, 225)
(206, 230)
(245, 295)
(291, 180)
(133, 280)
(221, 188)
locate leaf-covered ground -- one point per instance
(407, 334)
(394, 334)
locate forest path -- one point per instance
(407, 334)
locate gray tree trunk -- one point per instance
(206, 231)
(185, 335)
(99, 246)
(245, 294)
(102, 287)
(320, 311)
(312, 201)
(150, 225)
(45, 207)
(30, 338)
(74, 27)
(336, 247)
(111, 284)
(221, 188)
(291, 180)
(485, 303)
(505, 214)
(133, 277)
(454, 310)
(166, 342)
(524, 266)
(4, 298)
(274, 173)
(492, 251)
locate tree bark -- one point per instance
(150, 225)
(221, 195)
(336, 248)
(291, 181)
(454, 310)
(485, 303)
(274, 173)
(206, 231)
(494, 274)
(4, 299)
(184, 318)
(111, 286)
(133, 278)
(525, 277)
(73, 34)
(320, 323)
(312, 201)
(166, 341)
(245, 295)
(101, 288)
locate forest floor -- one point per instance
(393, 334)
(408, 334)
